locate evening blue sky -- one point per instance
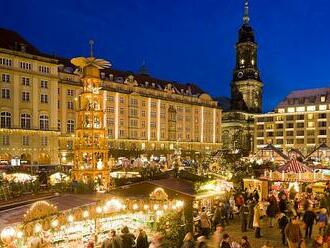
(186, 41)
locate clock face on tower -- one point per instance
(240, 74)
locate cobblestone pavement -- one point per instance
(268, 234)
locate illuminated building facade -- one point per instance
(300, 121)
(142, 114)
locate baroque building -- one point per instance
(246, 92)
(142, 114)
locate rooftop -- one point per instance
(306, 97)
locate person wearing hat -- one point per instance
(322, 220)
(142, 239)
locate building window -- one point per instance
(5, 78)
(44, 84)
(300, 141)
(289, 133)
(121, 99)
(70, 145)
(300, 133)
(70, 92)
(289, 118)
(44, 122)
(310, 141)
(58, 124)
(43, 98)
(25, 96)
(5, 140)
(25, 141)
(323, 98)
(70, 105)
(289, 125)
(5, 120)
(44, 69)
(322, 132)
(143, 113)
(70, 126)
(44, 141)
(300, 125)
(322, 124)
(134, 102)
(322, 115)
(5, 93)
(310, 124)
(109, 98)
(121, 133)
(6, 62)
(25, 121)
(25, 81)
(25, 65)
(134, 123)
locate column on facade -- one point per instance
(53, 104)
(116, 115)
(16, 96)
(35, 103)
(214, 125)
(149, 118)
(158, 120)
(202, 124)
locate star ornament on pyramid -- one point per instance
(82, 62)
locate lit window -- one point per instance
(311, 108)
(70, 92)
(323, 98)
(323, 107)
(25, 65)
(44, 69)
(300, 109)
(242, 61)
(70, 104)
(310, 124)
(281, 110)
(5, 140)
(252, 61)
(290, 110)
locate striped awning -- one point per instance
(294, 166)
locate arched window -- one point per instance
(25, 121)
(70, 126)
(44, 122)
(5, 120)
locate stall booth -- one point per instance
(194, 194)
(293, 176)
(43, 223)
(261, 186)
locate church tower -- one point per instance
(246, 87)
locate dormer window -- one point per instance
(242, 61)
(252, 62)
(323, 98)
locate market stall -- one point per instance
(75, 227)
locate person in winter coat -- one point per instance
(322, 220)
(188, 241)
(282, 222)
(318, 242)
(205, 223)
(217, 236)
(201, 242)
(245, 242)
(272, 210)
(251, 206)
(113, 241)
(225, 243)
(127, 238)
(283, 204)
(256, 220)
(244, 213)
(309, 219)
(293, 233)
(142, 239)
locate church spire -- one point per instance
(246, 17)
